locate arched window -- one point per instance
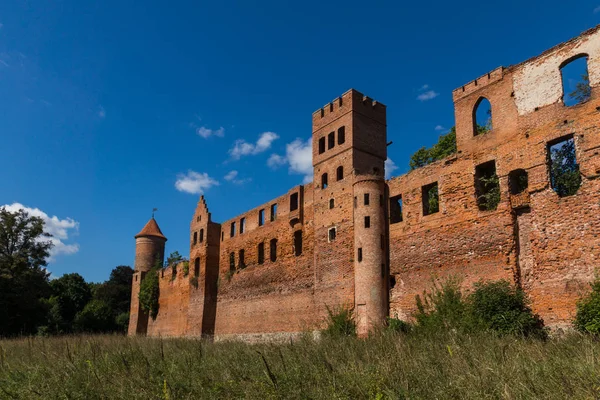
(482, 117)
(324, 182)
(339, 172)
(331, 203)
(575, 80)
(197, 267)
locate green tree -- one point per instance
(70, 294)
(116, 293)
(24, 249)
(96, 316)
(445, 146)
(564, 170)
(583, 90)
(173, 258)
(587, 318)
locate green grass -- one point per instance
(394, 366)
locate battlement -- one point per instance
(479, 83)
(352, 100)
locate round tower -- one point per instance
(370, 257)
(149, 247)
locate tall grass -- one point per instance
(384, 366)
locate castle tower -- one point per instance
(349, 153)
(149, 250)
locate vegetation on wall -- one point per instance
(587, 318)
(150, 291)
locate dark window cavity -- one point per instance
(487, 186)
(330, 140)
(332, 234)
(261, 217)
(195, 238)
(197, 267)
(298, 242)
(396, 209)
(339, 172)
(341, 135)
(575, 80)
(360, 254)
(273, 249)
(324, 181)
(201, 235)
(273, 212)
(241, 261)
(565, 178)
(482, 117)
(261, 253)
(322, 145)
(331, 203)
(232, 230)
(430, 198)
(242, 225)
(367, 222)
(366, 199)
(294, 202)
(517, 181)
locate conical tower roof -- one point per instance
(151, 229)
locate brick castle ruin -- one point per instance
(353, 239)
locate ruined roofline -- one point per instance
(346, 97)
(497, 73)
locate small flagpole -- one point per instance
(153, 210)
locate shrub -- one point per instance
(442, 308)
(501, 307)
(96, 316)
(587, 318)
(397, 325)
(149, 293)
(122, 322)
(340, 323)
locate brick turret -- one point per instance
(149, 250)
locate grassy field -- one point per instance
(387, 366)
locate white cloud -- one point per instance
(428, 95)
(232, 176)
(242, 148)
(298, 155)
(440, 128)
(206, 133)
(597, 10)
(102, 112)
(424, 87)
(60, 229)
(389, 167)
(194, 182)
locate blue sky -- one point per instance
(111, 108)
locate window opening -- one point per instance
(341, 135)
(360, 254)
(366, 199)
(482, 117)
(195, 238)
(367, 222)
(330, 140)
(322, 145)
(487, 186)
(576, 81)
(396, 209)
(430, 198)
(241, 261)
(242, 225)
(298, 242)
(201, 235)
(294, 202)
(331, 203)
(565, 178)
(324, 181)
(261, 253)
(273, 212)
(339, 173)
(518, 181)
(332, 234)
(273, 249)
(197, 267)
(232, 230)
(261, 217)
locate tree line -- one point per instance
(32, 303)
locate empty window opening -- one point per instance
(201, 235)
(360, 254)
(518, 181)
(195, 238)
(197, 267)
(396, 209)
(273, 212)
(331, 203)
(482, 117)
(341, 135)
(298, 243)
(261, 217)
(487, 186)
(273, 249)
(367, 222)
(565, 178)
(366, 199)
(576, 81)
(339, 172)
(198, 218)
(242, 225)
(431, 198)
(294, 202)
(332, 234)
(322, 145)
(324, 181)
(231, 262)
(241, 261)
(232, 230)
(330, 140)
(261, 253)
